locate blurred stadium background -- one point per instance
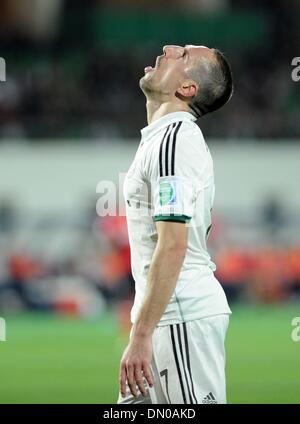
(70, 116)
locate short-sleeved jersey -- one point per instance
(171, 178)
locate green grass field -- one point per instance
(48, 359)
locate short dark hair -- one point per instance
(215, 84)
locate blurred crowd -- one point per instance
(78, 267)
(81, 265)
(72, 82)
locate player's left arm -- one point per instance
(162, 277)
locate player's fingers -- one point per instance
(122, 379)
(131, 379)
(148, 374)
(139, 380)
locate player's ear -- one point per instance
(189, 88)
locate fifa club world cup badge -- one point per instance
(168, 193)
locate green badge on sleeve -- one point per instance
(167, 193)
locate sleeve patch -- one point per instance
(168, 192)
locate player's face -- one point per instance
(171, 67)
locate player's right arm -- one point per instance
(162, 278)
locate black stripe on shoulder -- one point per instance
(161, 152)
(174, 147)
(167, 150)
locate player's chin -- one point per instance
(144, 82)
(149, 73)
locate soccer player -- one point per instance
(180, 313)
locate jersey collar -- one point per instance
(164, 121)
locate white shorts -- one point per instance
(188, 364)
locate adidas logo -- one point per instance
(209, 398)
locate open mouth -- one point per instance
(150, 68)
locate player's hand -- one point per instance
(135, 364)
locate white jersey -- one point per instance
(171, 178)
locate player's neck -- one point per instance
(156, 110)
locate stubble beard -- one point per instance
(145, 85)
